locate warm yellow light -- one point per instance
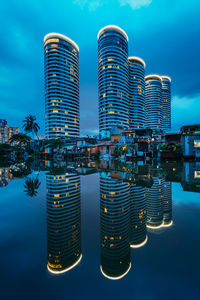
(115, 278)
(141, 244)
(65, 270)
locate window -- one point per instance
(197, 144)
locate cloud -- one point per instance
(92, 4)
(185, 102)
(135, 4)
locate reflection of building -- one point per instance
(166, 103)
(191, 177)
(61, 56)
(113, 79)
(138, 235)
(115, 211)
(153, 100)
(63, 222)
(167, 203)
(6, 131)
(5, 176)
(190, 140)
(136, 92)
(155, 204)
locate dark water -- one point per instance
(100, 232)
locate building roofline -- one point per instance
(166, 77)
(135, 58)
(153, 76)
(114, 27)
(62, 37)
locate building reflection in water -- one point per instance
(138, 216)
(155, 204)
(5, 176)
(159, 204)
(63, 222)
(167, 204)
(115, 227)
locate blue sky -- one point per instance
(166, 34)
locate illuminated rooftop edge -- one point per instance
(65, 270)
(62, 37)
(168, 225)
(153, 76)
(114, 27)
(141, 244)
(115, 278)
(135, 58)
(155, 227)
(166, 77)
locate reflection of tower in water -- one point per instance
(138, 235)
(155, 204)
(115, 221)
(167, 204)
(63, 222)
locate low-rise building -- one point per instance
(6, 131)
(190, 140)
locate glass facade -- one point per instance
(138, 235)
(115, 227)
(112, 79)
(63, 222)
(61, 67)
(166, 103)
(153, 101)
(136, 92)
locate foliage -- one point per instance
(163, 146)
(31, 186)
(55, 143)
(118, 151)
(30, 125)
(20, 139)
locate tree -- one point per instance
(20, 139)
(55, 143)
(31, 186)
(30, 125)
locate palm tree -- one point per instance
(20, 139)
(31, 186)
(30, 125)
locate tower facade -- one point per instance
(153, 102)
(112, 79)
(115, 227)
(61, 69)
(138, 213)
(136, 92)
(63, 222)
(166, 103)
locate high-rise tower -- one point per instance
(115, 227)
(136, 92)
(112, 79)
(166, 103)
(153, 102)
(61, 67)
(63, 222)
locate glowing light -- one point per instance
(65, 270)
(153, 76)
(62, 37)
(155, 227)
(141, 244)
(114, 27)
(115, 278)
(166, 77)
(135, 58)
(168, 225)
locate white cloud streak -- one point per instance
(94, 4)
